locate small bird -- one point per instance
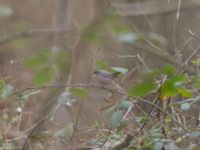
(105, 77)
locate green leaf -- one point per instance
(62, 60)
(44, 76)
(130, 37)
(8, 146)
(179, 139)
(7, 91)
(122, 126)
(120, 70)
(37, 61)
(5, 11)
(184, 92)
(80, 92)
(125, 104)
(185, 106)
(65, 132)
(100, 65)
(196, 62)
(172, 146)
(119, 28)
(172, 85)
(116, 118)
(22, 43)
(168, 70)
(142, 89)
(195, 134)
(142, 120)
(2, 84)
(158, 146)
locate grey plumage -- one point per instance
(103, 76)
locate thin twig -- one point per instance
(153, 104)
(26, 142)
(189, 40)
(188, 59)
(66, 85)
(76, 122)
(178, 10)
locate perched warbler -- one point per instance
(104, 77)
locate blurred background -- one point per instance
(61, 42)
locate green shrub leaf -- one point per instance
(142, 89)
(37, 61)
(44, 76)
(196, 62)
(80, 92)
(62, 60)
(184, 92)
(173, 86)
(158, 146)
(120, 70)
(185, 106)
(195, 134)
(7, 91)
(116, 118)
(5, 11)
(129, 37)
(125, 104)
